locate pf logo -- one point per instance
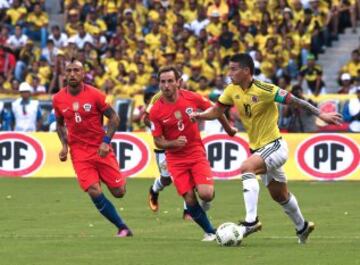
(131, 153)
(20, 155)
(225, 154)
(328, 156)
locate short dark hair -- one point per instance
(169, 68)
(244, 60)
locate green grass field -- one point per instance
(50, 221)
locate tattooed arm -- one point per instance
(331, 118)
(114, 121)
(113, 124)
(62, 133)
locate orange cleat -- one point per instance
(153, 200)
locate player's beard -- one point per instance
(74, 83)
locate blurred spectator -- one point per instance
(93, 24)
(27, 55)
(299, 120)
(36, 25)
(346, 84)
(4, 35)
(200, 22)
(153, 86)
(312, 73)
(226, 36)
(203, 87)
(353, 66)
(49, 52)
(81, 38)
(17, 40)
(59, 38)
(15, 14)
(26, 111)
(220, 7)
(7, 63)
(37, 88)
(214, 27)
(72, 22)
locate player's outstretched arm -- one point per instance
(113, 124)
(230, 130)
(62, 133)
(331, 118)
(211, 113)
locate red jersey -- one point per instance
(83, 115)
(172, 120)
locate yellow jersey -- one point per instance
(257, 109)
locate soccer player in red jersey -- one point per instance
(174, 131)
(79, 110)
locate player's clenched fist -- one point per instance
(63, 154)
(104, 149)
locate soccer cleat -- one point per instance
(208, 237)
(250, 228)
(304, 233)
(125, 232)
(187, 216)
(153, 200)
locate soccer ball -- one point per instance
(228, 235)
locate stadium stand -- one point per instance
(123, 43)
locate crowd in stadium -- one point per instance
(122, 44)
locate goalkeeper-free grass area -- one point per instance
(51, 222)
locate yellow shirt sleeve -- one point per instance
(225, 97)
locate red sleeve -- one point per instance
(101, 101)
(156, 128)
(202, 102)
(58, 113)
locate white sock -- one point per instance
(291, 208)
(251, 194)
(185, 206)
(157, 186)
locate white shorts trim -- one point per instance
(275, 154)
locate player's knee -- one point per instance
(165, 181)
(206, 195)
(94, 191)
(247, 167)
(118, 192)
(279, 197)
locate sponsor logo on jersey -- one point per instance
(87, 107)
(226, 154)
(189, 110)
(20, 154)
(328, 156)
(254, 99)
(131, 152)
